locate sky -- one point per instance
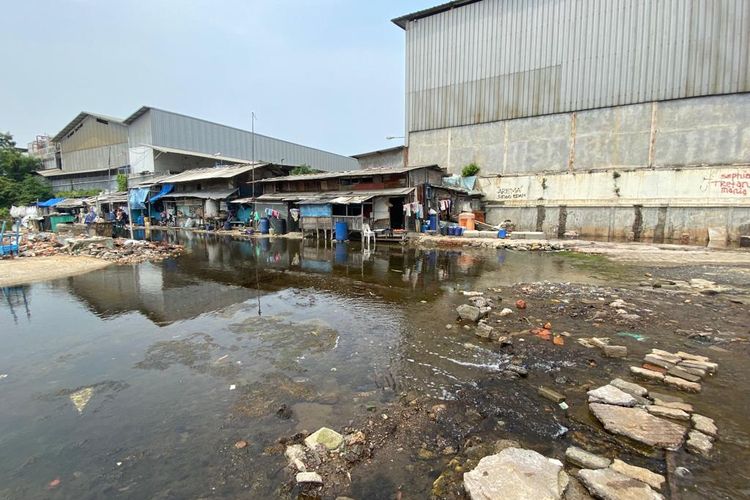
(327, 74)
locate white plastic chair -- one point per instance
(367, 233)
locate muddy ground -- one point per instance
(431, 442)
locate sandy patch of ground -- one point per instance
(31, 270)
(661, 254)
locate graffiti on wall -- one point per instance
(510, 193)
(732, 183)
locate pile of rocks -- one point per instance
(602, 343)
(123, 251)
(680, 370)
(119, 250)
(651, 418)
(319, 447)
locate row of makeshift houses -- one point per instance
(387, 199)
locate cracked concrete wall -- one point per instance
(689, 155)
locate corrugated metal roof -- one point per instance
(379, 152)
(188, 152)
(71, 203)
(116, 197)
(365, 172)
(57, 173)
(199, 174)
(78, 119)
(215, 194)
(346, 197)
(402, 21)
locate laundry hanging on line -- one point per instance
(415, 208)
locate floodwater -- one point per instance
(136, 381)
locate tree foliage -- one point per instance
(18, 183)
(303, 170)
(122, 182)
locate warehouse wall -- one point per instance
(95, 144)
(502, 59)
(688, 156)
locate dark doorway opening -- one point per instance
(396, 212)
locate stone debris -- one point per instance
(665, 411)
(609, 394)
(705, 425)
(553, 396)
(585, 460)
(309, 478)
(118, 250)
(699, 443)
(658, 361)
(467, 312)
(629, 387)
(609, 484)
(653, 479)
(295, 454)
(676, 371)
(506, 312)
(615, 351)
(686, 407)
(326, 437)
(647, 374)
(516, 473)
(692, 357)
(639, 425)
(682, 384)
(668, 356)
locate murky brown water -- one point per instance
(182, 365)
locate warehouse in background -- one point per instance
(93, 149)
(608, 119)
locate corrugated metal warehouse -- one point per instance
(153, 142)
(571, 106)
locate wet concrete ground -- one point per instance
(182, 366)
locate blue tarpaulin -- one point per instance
(317, 210)
(137, 197)
(50, 203)
(165, 189)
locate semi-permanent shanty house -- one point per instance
(617, 118)
(388, 200)
(201, 196)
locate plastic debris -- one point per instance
(81, 398)
(632, 335)
(232, 387)
(564, 405)
(558, 340)
(3, 375)
(54, 483)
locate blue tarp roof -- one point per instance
(50, 203)
(165, 189)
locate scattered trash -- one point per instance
(232, 387)
(563, 405)
(633, 335)
(548, 325)
(81, 398)
(118, 464)
(54, 483)
(222, 358)
(333, 369)
(558, 340)
(3, 375)
(521, 304)
(240, 444)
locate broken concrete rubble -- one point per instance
(611, 395)
(639, 425)
(585, 460)
(665, 411)
(326, 437)
(699, 443)
(629, 387)
(705, 425)
(609, 484)
(516, 473)
(653, 479)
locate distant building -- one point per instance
(621, 119)
(383, 158)
(92, 149)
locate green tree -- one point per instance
(14, 164)
(303, 170)
(122, 182)
(19, 185)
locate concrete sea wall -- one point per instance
(663, 171)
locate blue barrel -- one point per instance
(502, 233)
(433, 222)
(342, 253)
(265, 225)
(451, 230)
(342, 231)
(460, 231)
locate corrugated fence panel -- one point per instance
(499, 59)
(183, 132)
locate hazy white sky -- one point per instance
(326, 73)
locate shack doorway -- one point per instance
(396, 212)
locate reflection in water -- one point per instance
(15, 297)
